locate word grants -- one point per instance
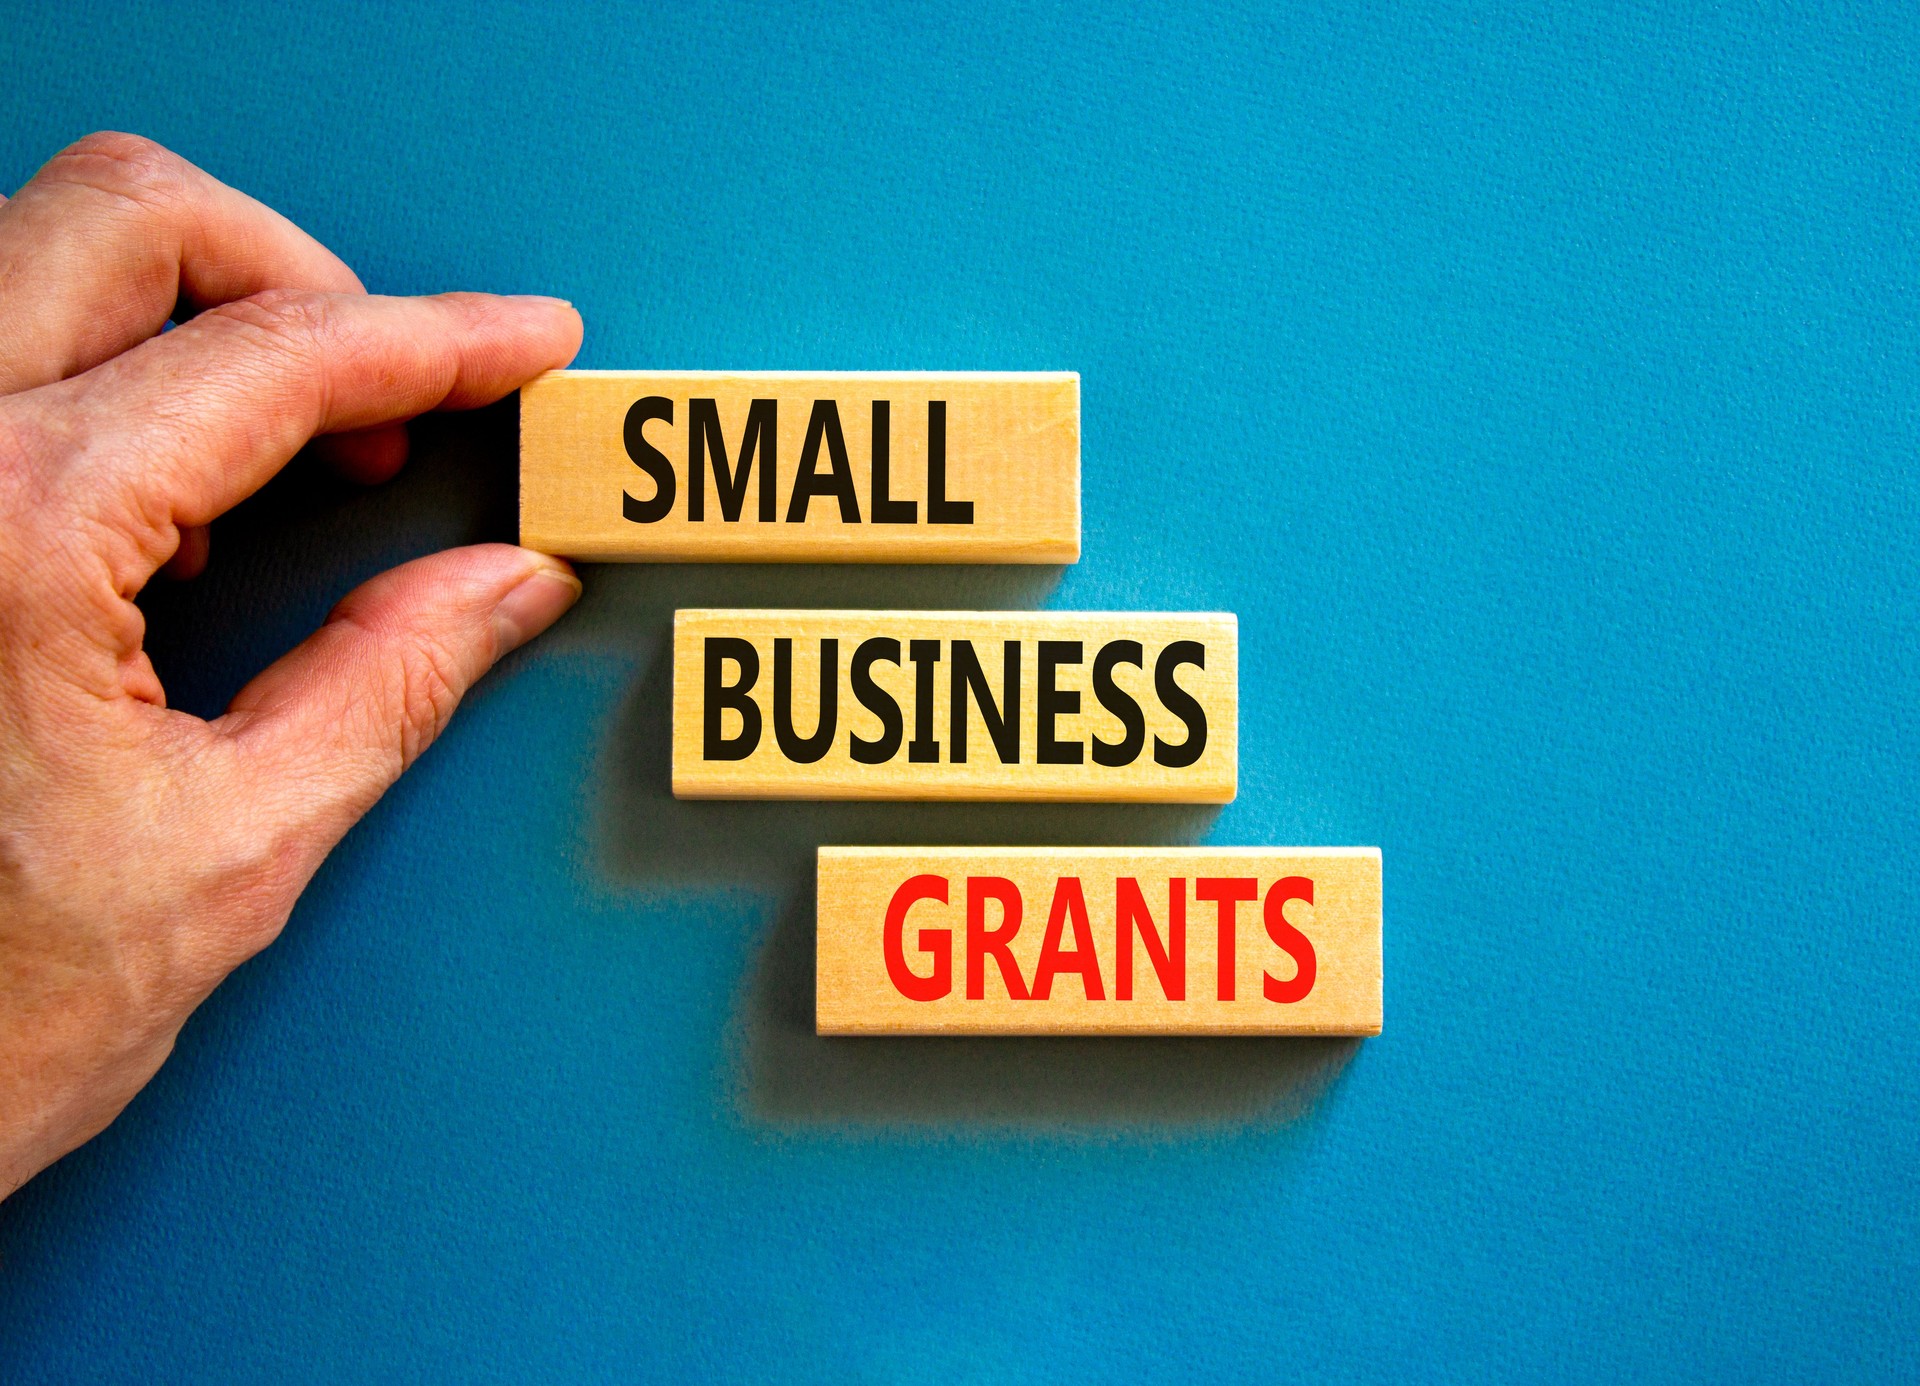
(1151, 940)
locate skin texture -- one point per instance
(144, 854)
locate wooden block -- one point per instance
(793, 466)
(1098, 941)
(955, 705)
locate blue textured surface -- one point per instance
(1542, 395)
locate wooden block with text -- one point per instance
(1044, 705)
(1098, 941)
(789, 466)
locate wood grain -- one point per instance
(1011, 465)
(1106, 706)
(994, 941)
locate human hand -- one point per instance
(144, 853)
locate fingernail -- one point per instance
(540, 599)
(542, 298)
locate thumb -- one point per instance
(335, 721)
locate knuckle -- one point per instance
(287, 320)
(248, 864)
(275, 310)
(131, 166)
(255, 900)
(429, 690)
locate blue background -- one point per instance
(1541, 392)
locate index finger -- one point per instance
(186, 425)
(112, 235)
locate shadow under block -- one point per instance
(1098, 940)
(1034, 705)
(787, 466)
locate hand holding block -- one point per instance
(1041, 705)
(1098, 941)
(784, 466)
